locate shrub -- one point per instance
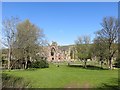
(117, 64)
(40, 64)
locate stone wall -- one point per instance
(57, 53)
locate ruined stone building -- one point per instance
(59, 53)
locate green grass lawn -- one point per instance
(67, 77)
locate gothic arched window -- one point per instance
(52, 51)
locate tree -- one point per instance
(83, 49)
(71, 54)
(99, 50)
(29, 41)
(109, 36)
(9, 33)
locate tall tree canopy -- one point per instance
(109, 36)
(29, 38)
(9, 34)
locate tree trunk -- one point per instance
(85, 64)
(101, 64)
(25, 63)
(110, 63)
(8, 63)
(9, 58)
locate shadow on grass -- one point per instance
(31, 69)
(89, 67)
(114, 84)
(9, 81)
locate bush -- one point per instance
(40, 64)
(117, 64)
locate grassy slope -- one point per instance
(63, 76)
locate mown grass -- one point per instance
(67, 77)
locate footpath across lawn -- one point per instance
(64, 77)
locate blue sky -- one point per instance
(62, 22)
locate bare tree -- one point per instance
(9, 33)
(83, 49)
(109, 35)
